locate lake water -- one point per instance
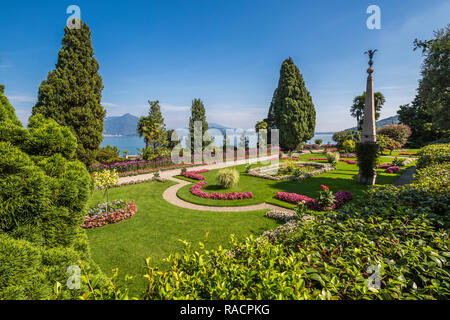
(131, 143)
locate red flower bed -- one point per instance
(340, 198)
(194, 174)
(317, 159)
(103, 218)
(384, 166)
(196, 191)
(408, 154)
(393, 169)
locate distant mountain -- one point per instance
(384, 122)
(121, 126)
(126, 125)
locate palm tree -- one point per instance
(357, 109)
(148, 129)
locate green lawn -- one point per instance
(156, 228)
(343, 178)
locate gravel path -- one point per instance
(170, 194)
(406, 178)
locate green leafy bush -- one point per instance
(387, 143)
(433, 154)
(349, 146)
(227, 178)
(107, 153)
(397, 132)
(342, 136)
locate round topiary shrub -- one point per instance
(333, 158)
(227, 178)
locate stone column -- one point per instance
(369, 135)
(369, 126)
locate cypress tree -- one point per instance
(292, 110)
(72, 93)
(197, 114)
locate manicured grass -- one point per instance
(156, 228)
(397, 153)
(264, 190)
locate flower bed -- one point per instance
(407, 154)
(131, 165)
(194, 174)
(340, 198)
(196, 191)
(393, 169)
(108, 213)
(283, 216)
(270, 172)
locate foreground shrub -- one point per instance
(433, 154)
(227, 178)
(42, 200)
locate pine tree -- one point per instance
(198, 114)
(72, 93)
(292, 110)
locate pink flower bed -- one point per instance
(348, 161)
(196, 191)
(317, 159)
(340, 198)
(194, 174)
(393, 169)
(384, 166)
(103, 218)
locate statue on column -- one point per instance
(368, 147)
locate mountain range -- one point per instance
(126, 125)
(384, 122)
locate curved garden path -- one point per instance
(170, 194)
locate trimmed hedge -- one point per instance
(433, 154)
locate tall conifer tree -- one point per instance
(73, 91)
(197, 114)
(292, 110)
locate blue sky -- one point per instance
(228, 53)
